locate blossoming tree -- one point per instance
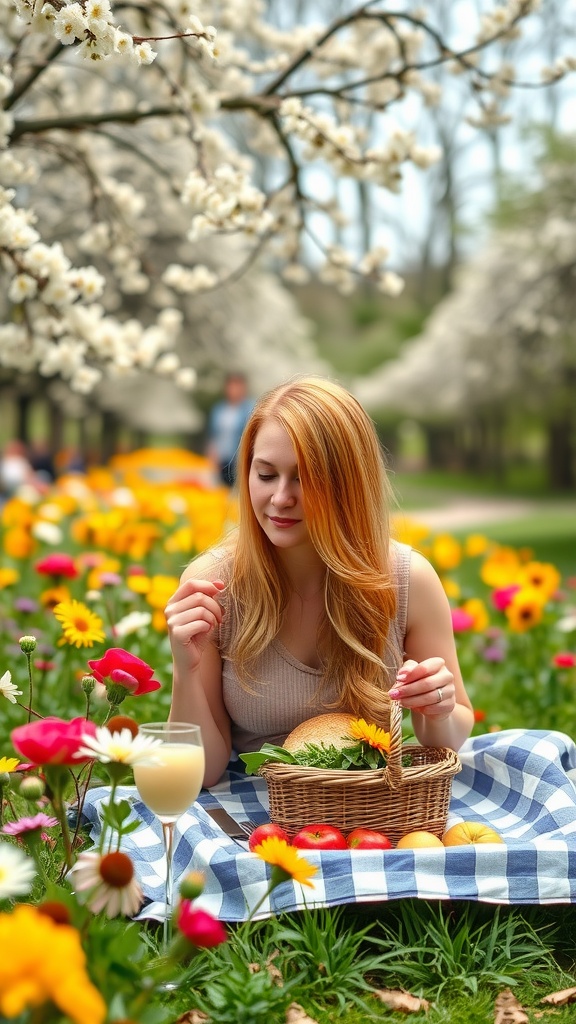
(152, 155)
(501, 345)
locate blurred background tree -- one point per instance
(253, 193)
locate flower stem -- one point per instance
(30, 685)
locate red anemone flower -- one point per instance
(118, 666)
(57, 564)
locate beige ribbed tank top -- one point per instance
(284, 691)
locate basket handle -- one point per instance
(394, 761)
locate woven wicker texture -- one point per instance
(394, 800)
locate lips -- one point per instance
(283, 522)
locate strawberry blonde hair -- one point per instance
(345, 496)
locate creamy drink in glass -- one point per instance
(169, 784)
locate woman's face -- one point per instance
(275, 490)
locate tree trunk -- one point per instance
(561, 462)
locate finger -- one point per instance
(208, 587)
(191, 603)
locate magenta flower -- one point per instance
(461, 620)
(502, 597)
(57, 564)
(120, 667)
(564, 659)
(199, 927)
(23, 825)
(52, 740)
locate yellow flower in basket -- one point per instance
(332, 741)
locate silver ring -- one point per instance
(440, 698)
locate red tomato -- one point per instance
(320, 837)
(368, 839)
(262, 832)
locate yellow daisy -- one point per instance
(525, 610)
(446, 552)
(501, 567)
(475, 607)
(8, 577)
(476, 544)
(8, 764)
(541, 576)
(81, 627)
(371, 734)
(286, 860)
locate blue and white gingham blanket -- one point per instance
(522, 782)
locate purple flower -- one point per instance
(26, 605)
(493, 653)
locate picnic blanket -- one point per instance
(522, 782)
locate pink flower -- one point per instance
(564, 660)
(57, 565)
(461, 620)
(52, 740)
(18, 828)
(125, 669)
(502, 597)
(199, 927)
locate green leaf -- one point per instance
(267, 753)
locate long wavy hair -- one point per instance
(346, 498)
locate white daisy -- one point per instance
(16, 871)
(131, 623)
(7, 688)
(121, 747)
(107, 882)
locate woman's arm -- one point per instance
(429, 682)
(193, 614)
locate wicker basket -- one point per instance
(394, 800)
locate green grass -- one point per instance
(457, 955)
(431, 487)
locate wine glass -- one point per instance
(169, 784)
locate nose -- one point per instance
(283, 496)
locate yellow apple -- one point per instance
(466, 832)
(417, 839)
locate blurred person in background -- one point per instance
(42, 461)
(226, 422)
(16, 470)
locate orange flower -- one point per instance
(18, 543)
(53, 596)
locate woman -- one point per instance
(310, 607)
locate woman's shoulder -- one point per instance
(213, 564)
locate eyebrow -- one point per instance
(272, 465)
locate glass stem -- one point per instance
(168, 836)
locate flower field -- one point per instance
(86, 570)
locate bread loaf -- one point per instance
(327, 730)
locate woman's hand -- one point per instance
(192, 614)
(426, 686)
